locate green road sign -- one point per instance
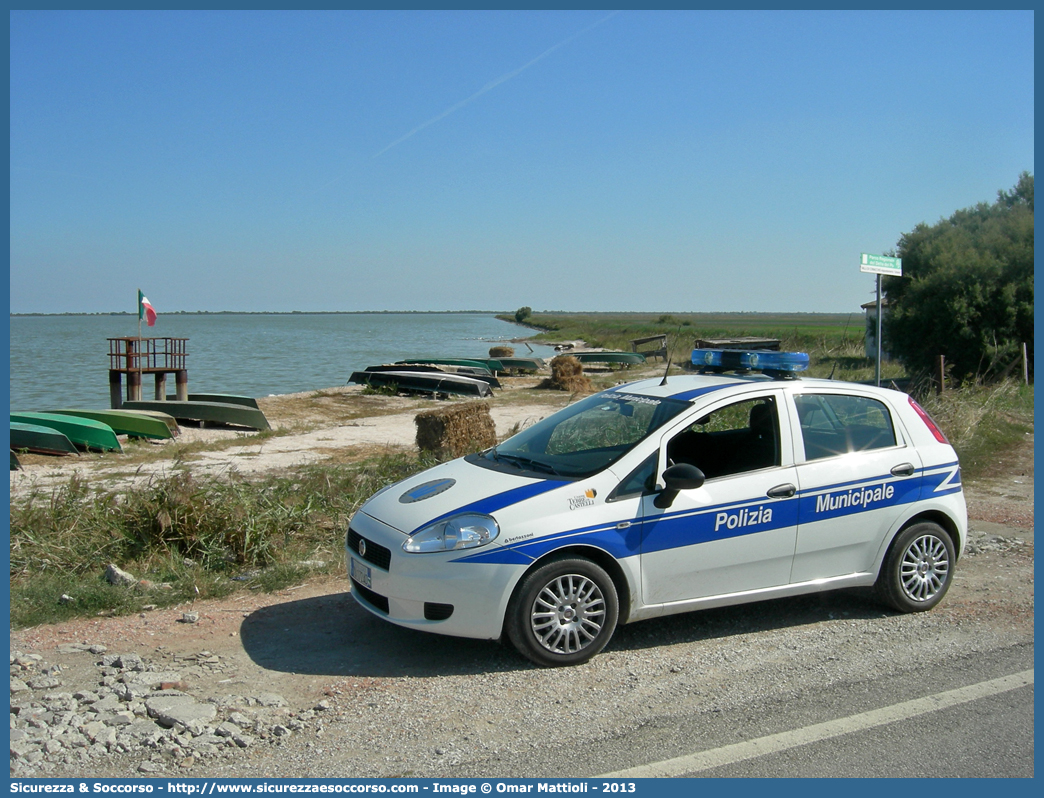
(879, 264)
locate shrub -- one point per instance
(967, 289)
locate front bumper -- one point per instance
(432, 592)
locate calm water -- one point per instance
(62, 361)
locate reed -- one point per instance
(202, 536)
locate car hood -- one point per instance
(447, 489)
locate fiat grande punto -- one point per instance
(740, 483)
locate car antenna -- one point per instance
(666, 370)
(832, 370)
(664, 380)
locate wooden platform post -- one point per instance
(181, 384)
(115, 389)
(161, 386)
(133, 386)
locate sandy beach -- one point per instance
(335, 424)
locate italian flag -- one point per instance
(145, 309)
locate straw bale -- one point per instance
(454, 431)
(501, 351)
(567, 374)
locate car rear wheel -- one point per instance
(918, 568)
(563, 613)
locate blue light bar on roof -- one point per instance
(752, 360)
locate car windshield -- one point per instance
(587, 436)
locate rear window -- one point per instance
(833, 424)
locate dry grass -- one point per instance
(567, 374)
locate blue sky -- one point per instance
(575, 160)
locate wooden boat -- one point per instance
(125, 422)
(212, 412)
(226, 398)
(463, 371)
(423, 382)
(617, 358)
(85, 432)
(38, 439)
(481, 363)
(15, 465)
(522, 363)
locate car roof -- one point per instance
(689, 387)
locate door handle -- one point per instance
(784, 491)
(903, 470)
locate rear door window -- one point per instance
(836, 424)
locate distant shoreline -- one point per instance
(498, 313)
(279, 313)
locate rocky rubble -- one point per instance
(983, 542)
(138, 710)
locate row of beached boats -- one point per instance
(449, 375)
(71, 430)
(468, 376)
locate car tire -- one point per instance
(563, 613)
(918, 569)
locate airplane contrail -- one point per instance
(493, 84)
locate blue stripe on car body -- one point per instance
(708, 524)
(941, 481)
(490, 504)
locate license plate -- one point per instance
(360, 573)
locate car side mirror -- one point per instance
(677, 478)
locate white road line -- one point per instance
(750, 749)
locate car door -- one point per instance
(856, 471)
(737, 532)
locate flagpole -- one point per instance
(139, 344)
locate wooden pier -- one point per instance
(137, 356)
(659, 349)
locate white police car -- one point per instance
(665, 496)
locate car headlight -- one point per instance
(465, 531)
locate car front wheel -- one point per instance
(918, 568)
(563, 613)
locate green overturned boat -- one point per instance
(83, 432)
(477, 363)
(207, 412)
(169, 420)
(125, 422)
(39, 440)
(224, 398)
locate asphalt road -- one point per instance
(989, 733)
(979, 737)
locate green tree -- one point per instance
(967, 288)
(523, 313)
